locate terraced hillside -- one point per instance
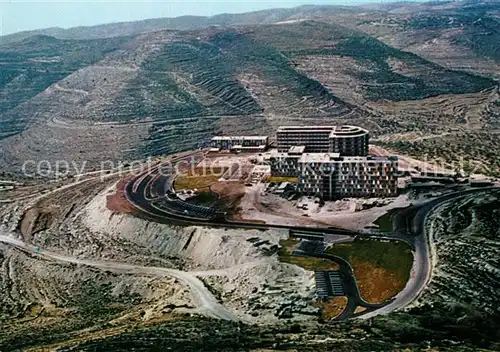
(193, 80)
(165, 91)
(371, 67)
(215, 74)
(183, 79)
(32, 65)
(464, 38)
(79, 272)
(472, 152)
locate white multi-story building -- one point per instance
(331, 176)
(286, 164)
(314, 138)
(346, 140)
(332, 162)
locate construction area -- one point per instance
(243, 185)
(312, 176)
(261, 183)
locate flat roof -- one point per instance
(297, 149)
(318, 157)
(233, 138)
(239, 146)
(346, 131)
(335, 131)
(335, 157)
(305, 128)
(352, 159)
(274, 153)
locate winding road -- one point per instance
(167, 208)
(204, 300)
(350, 284)
(408, 225)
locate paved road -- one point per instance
(203, 298)
(410, 224)
(168, 209)
(409, 227)
(354, 299)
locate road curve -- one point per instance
(422, 262)
(351, 288)
(204, 300)
(136, 193)
(412, 224)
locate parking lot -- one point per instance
(329, 283)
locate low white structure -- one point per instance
(240, 143)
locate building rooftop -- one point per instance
(274, 153)
(297, 149)
(242, 138)
(305, 128)
(239, 146)
(335, 131)
(318, 157)
(355, 159)
(329, 157)
(347, 131)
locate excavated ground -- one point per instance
(239, 268)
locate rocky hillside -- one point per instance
(74, 275)
(126, 97)
(184, 23)
(50, 304)
(461, 37)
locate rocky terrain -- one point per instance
(466, 239)
(104, 279)
(423, 77)
(240, 268)
(137, 94)
(103, 304)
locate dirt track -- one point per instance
(205, 301)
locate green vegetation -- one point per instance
(478, 31)
(194, 78)
(483, 37)
(383, 82)
(201, 179)
(206, 198)
(201, 183)
(202, 66)
(384, 222)
(32, 65)
(308, 263)
(91, 308)
(473, 152)
(381, 268)
(395, 332)
(251, 53)
(178, 135)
